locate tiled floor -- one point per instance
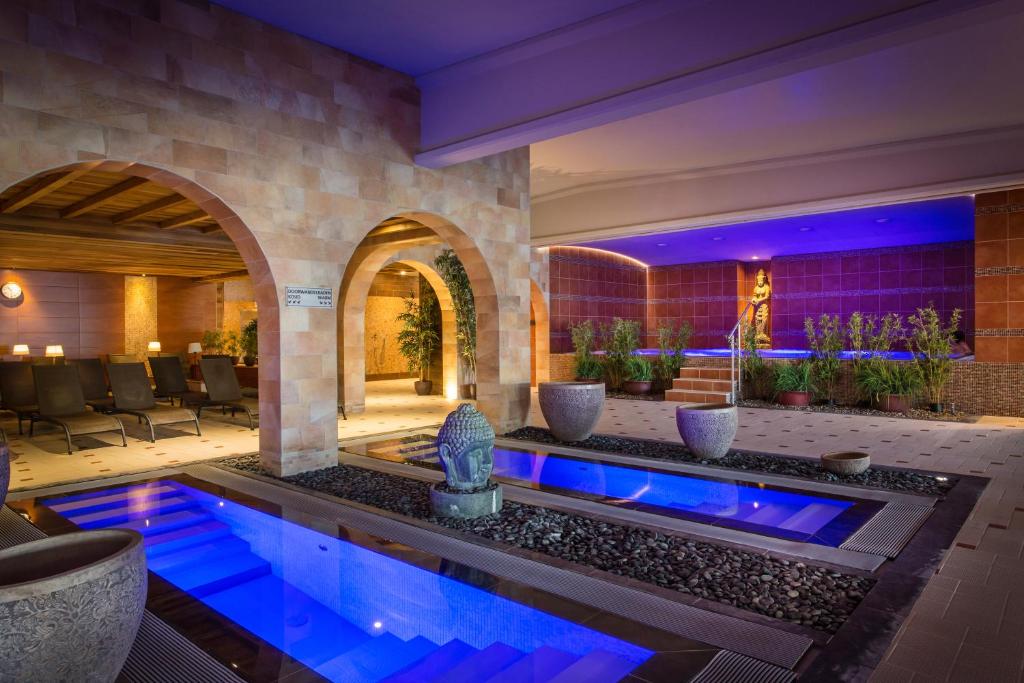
(969, 623)
(43, 460)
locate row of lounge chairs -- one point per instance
(75, 396)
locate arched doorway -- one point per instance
(373, 252)
(165, 204)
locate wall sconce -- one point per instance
(20, 350)
(11, 290)
(154, 347)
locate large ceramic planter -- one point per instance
(707, 430)
(895, 403)
(571, 409)
(794, 398)
(634, 388)
(70, 606)
(424, 387)
(5, 471)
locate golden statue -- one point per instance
(762, 293)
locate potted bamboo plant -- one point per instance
(232, 346)
(588, 367)
(891, 384)
(621, 340)
(672, 345)
(418, 339)
(758, 376)
(932, 344)
(826, 342)
(794, 383)
(250, 343)
(639, 376)
(455, 277)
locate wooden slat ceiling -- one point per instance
(98, 221)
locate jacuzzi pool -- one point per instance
(755, 507)
(346, 611)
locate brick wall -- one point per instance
(704, 294)
(999, 273)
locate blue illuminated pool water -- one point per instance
(346, 612)
(755, 507)
(774, 353)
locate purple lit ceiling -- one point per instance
(419, 36)
(938, 220)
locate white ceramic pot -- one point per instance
(708, 430)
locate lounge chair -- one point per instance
(222, 389)
(18, 391)
(122, 358)
(170, 381)
(134, 396)
(62, 403)
(94, 384)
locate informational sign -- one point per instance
(309, 297)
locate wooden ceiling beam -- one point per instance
(40, 189)
(140, 232)
(184, 220)
(97, 200)
(220, 277)
(161, 204)
(421, 235)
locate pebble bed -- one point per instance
(889, 479)
(815, 597)
(914, 414)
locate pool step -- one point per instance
(149, 509)
(289, 619)
(435, 664)
(113, 500)
(162, 523)
(597, 666)
(92, 495)
(202, 580)
(176, 539)
(540, 665)
(376, 658)
(480, 666)
(203, 553)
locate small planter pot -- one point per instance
(71, 605)
(249, 361)
(636, 388)
(424, 387)
(895, 403)
(467, 392)
(845, 462)
(234, 360)
(571, 409)
(707, 430)
(794, 398)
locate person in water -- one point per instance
(960, 347)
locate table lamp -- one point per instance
(54, 351)
(20, 350)
(153, 347)
(194, 349)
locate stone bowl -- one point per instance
(571, 409)
(708, 429)
(71, 605)
(845, 462)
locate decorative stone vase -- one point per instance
(71, 605)
(5, 471)
(845, 462)
(794, 398)
(424, 387)
(636, 388)
(707, 430)
(465, 446)
(895, 403)
(571, 409)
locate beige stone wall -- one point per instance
(140, 314)
(239, 305)
(296, 148)
(382, 356)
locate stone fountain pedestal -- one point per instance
(447, 502)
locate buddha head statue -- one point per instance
(465, 445)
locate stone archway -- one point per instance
(264, 287)
(541, 335)
(502, 356)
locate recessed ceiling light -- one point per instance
(717, 239)
(806, 229)
(881, 220)
(662, 244)
(753, 258)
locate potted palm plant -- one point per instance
(794, 383)
(639, 376)
(250, 343)
(932, 344)
(418, 339)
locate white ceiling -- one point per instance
(952, 82)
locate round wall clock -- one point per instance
(11, 290)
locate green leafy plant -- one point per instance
(418, 337)
(855, 333)
(797, 376)
(451, 270)
(880, 376)
(249, 340)
(758, 375)
(826, 342)
(587, 364)
(932, 343)
(213, 341)
(621, 340)
(672, 344)
(639, 369)
(232, 344)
